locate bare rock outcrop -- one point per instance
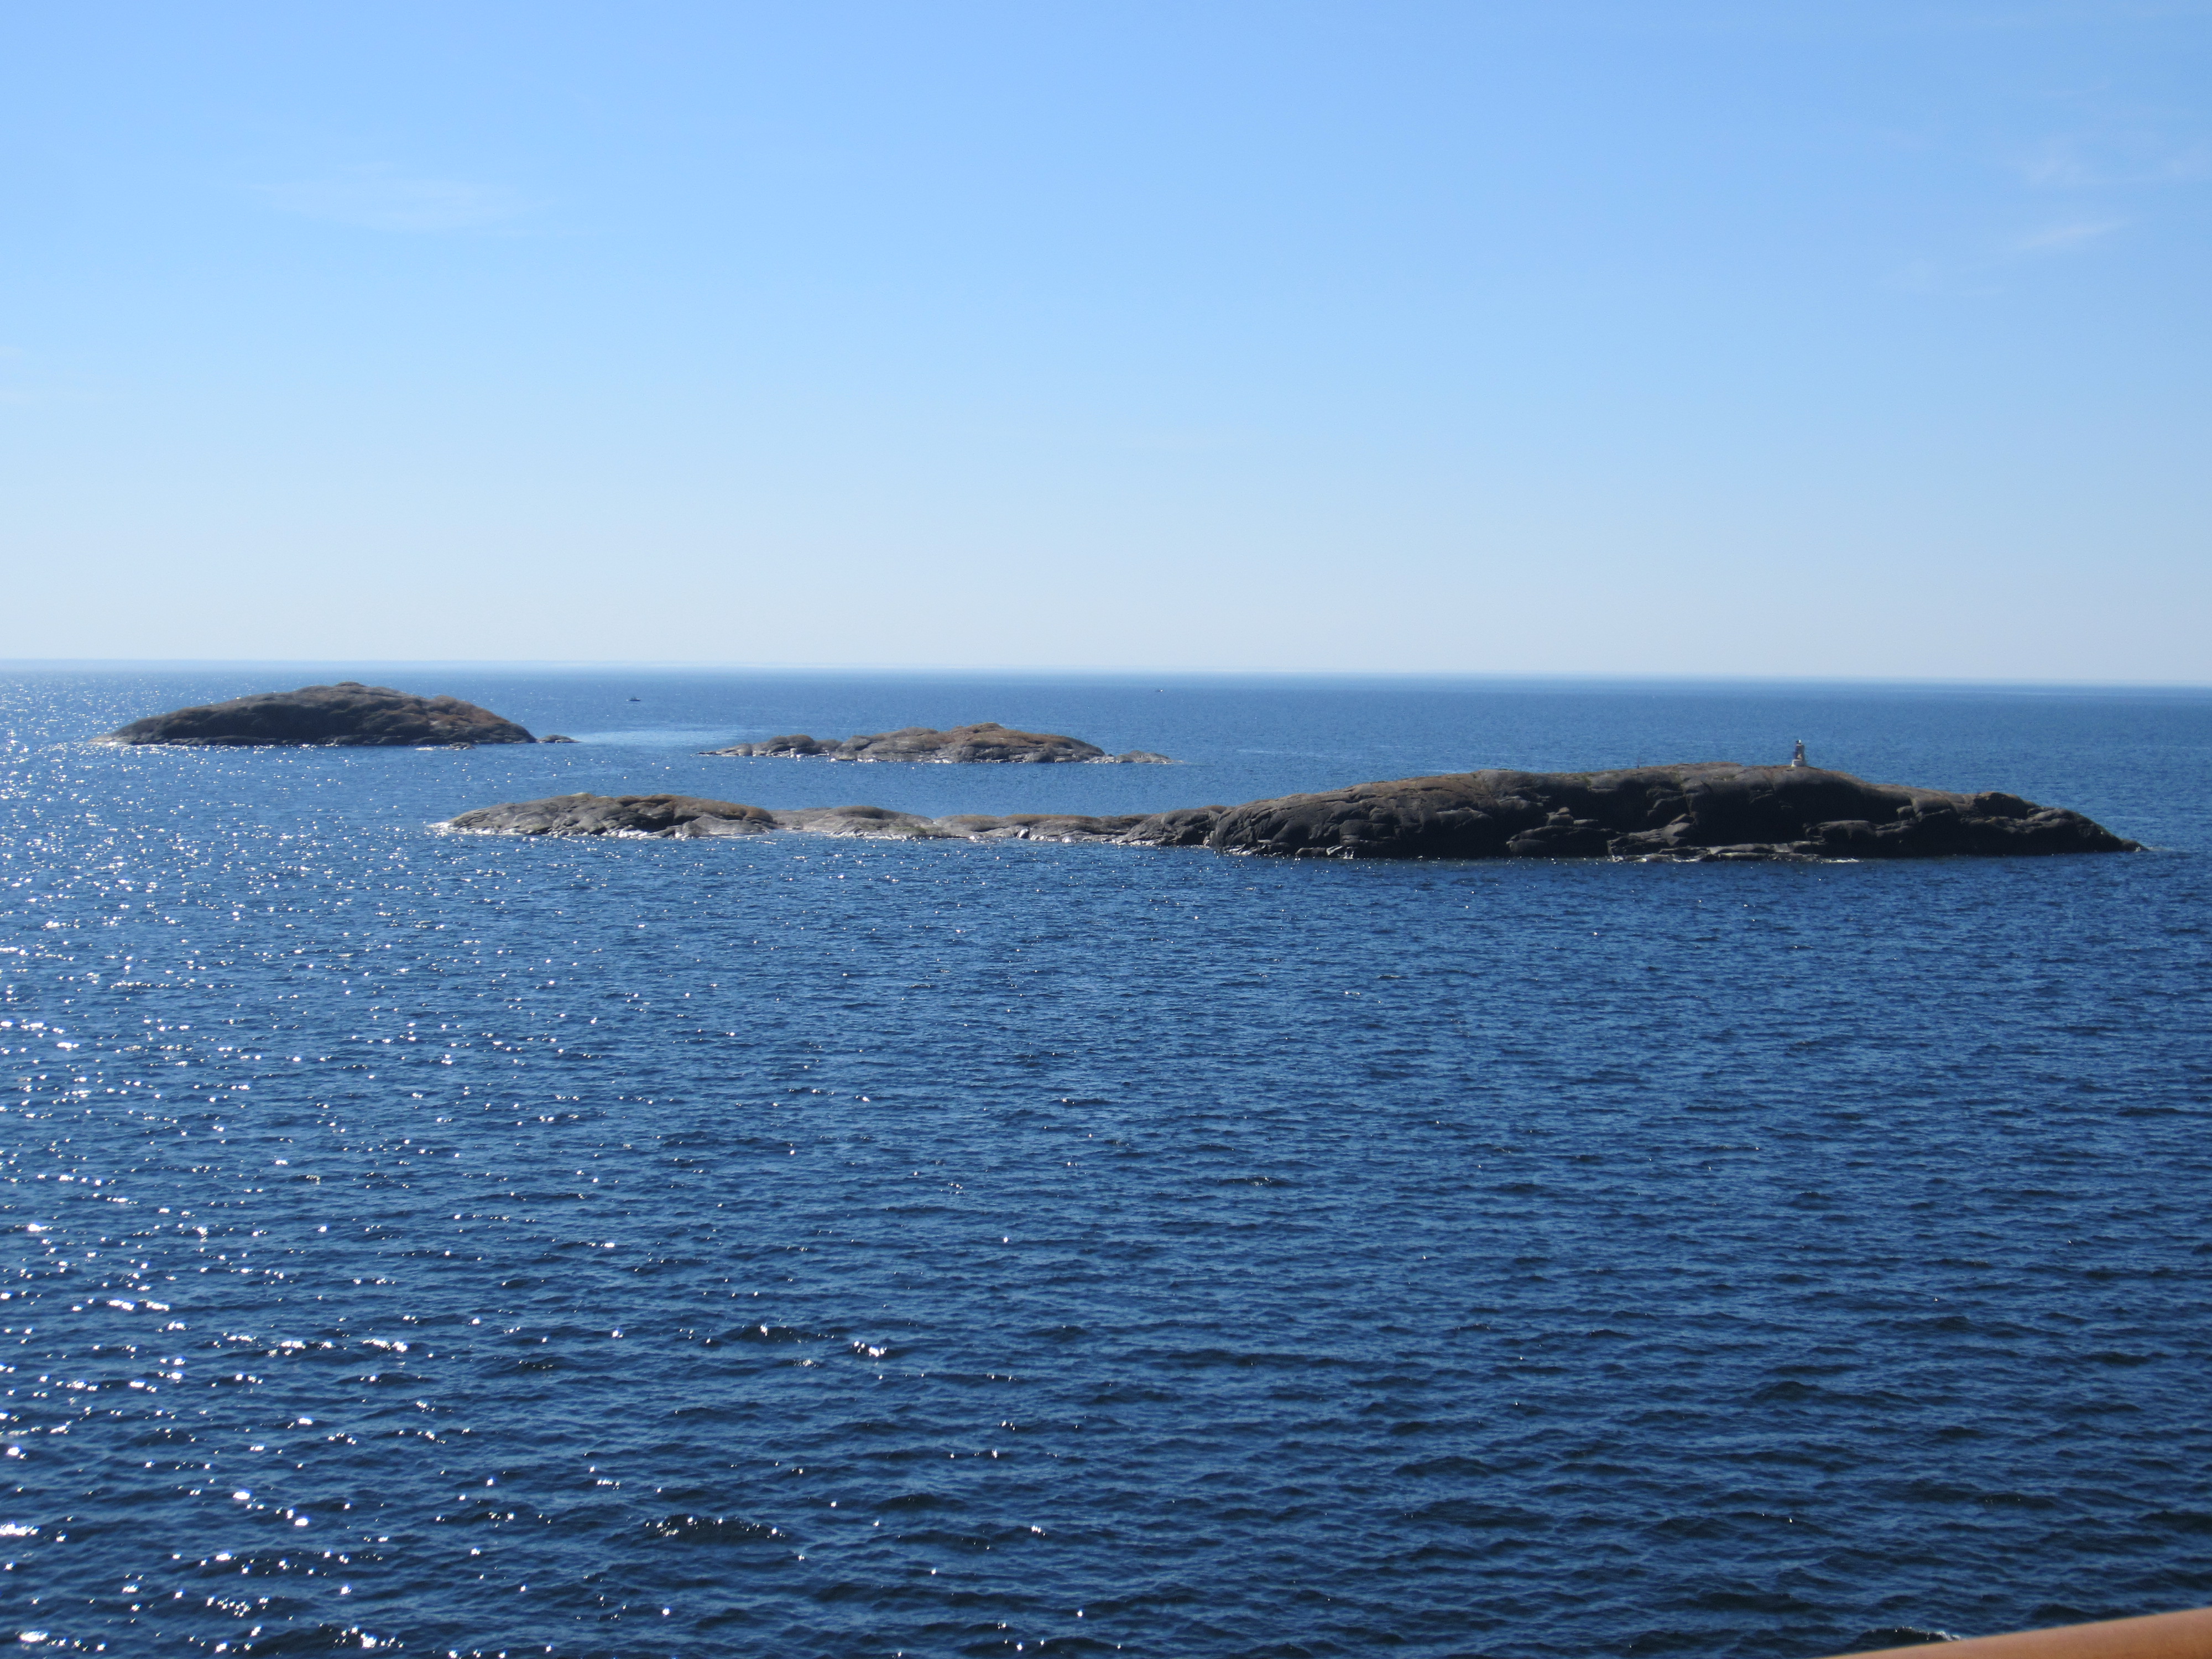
(1711, 809)
(617, 815)
(691, 816)
(985, 742)
(1704, 810)
(346, 716)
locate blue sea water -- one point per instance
(458, 1245)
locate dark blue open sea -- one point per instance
(455, 1245)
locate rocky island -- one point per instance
(985, 741)
(1702, 811)
(690, 818)
(346, 716)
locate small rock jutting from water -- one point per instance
(1705, 811)
(346, 716)
(985, 742)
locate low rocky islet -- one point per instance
(1702, 811)
(987, 742)
(346, 716)
(690, 818)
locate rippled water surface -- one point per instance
(785, 1246)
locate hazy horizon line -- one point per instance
(1557, 677)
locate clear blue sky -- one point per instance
(1852, 338)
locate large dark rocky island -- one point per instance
(985, 741)
(1710, 809)
(1704, 810)
(346, 716)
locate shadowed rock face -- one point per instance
(1708, 809)
(988, 741)
(348, 714)
(1714, 810)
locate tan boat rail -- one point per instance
(2158, 1636)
